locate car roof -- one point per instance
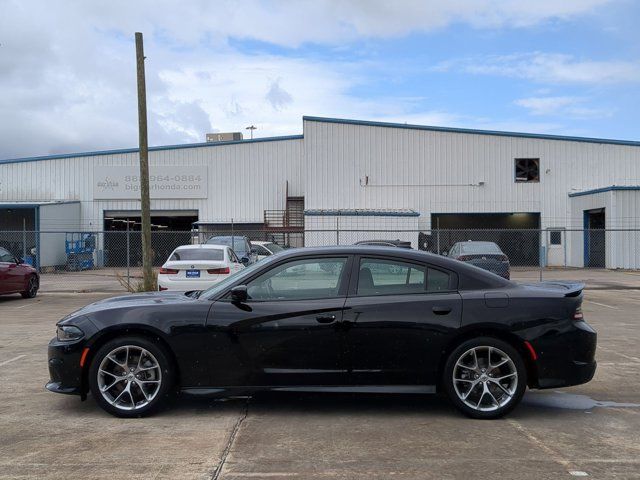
(403, 253)
(228, 236)
(260, 242)
(203, 245)
(476, 242)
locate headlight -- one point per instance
(67, 333)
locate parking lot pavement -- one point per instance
(593, 429)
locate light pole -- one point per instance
(252, 128)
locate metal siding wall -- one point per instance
(338, 156)
(244, 180)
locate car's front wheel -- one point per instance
(485, 377)
(130, 376)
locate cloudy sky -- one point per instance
(67, 68)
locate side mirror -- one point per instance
(244, 260)
(239, 294)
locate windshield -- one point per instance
(222, 285)
(480, 247)
(274, 247)
(197, 254)
(237, 243)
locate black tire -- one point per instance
(166, 376)
(32, 288)
(516, 386)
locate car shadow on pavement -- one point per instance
(287, 403)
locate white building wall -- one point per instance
(440, 172)
(243, 178)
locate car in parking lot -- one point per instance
(197, 267)
(385, 243)
(485, 255)
(429, 324)
(240, 244)
(265, 249)
(16, 276)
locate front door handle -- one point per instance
(441, 310)
(326, 318)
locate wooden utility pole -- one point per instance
(145, 206)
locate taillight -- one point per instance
(504, 258)
(168, 271)
(577, 315)
(219, 271)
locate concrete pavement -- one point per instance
(593, 429)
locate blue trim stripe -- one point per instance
(151, 149)
(612, 188)
(472, 131)
(362, 213)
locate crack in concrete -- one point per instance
(230, 440)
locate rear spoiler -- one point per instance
(568, 288)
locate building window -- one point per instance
(555, 237)
(527, 169)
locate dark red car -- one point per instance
(16, 276)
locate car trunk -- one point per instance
(197, 269)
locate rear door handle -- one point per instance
(441, 310)
(326, 318)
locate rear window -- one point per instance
(479, 248)
(197, 254)
(238, 244)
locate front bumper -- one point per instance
(64, 367)
(568, 358)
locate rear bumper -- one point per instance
(186, 285)
(568, 358)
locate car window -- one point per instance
(480, 247)
(260, 250)
(300, 279)
(384, 277)
(5, 256)
(232, 256)
(274, 247)
(239, 244)
(437, 280)
(197, 254)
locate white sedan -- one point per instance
(197, 267)
(265, 249)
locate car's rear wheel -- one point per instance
(485, 377)
(32, 288)
(130, 376)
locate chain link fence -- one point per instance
(111, 260)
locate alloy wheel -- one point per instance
(32, 289)
(129, 377)
(485, 378)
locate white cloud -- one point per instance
(550, 68)
(67, 71)
(566, 106)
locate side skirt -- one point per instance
(240, 391)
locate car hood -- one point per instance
(132, 300)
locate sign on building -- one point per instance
(123, 183)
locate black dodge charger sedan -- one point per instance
(336, 319)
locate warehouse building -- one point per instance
(342, 176)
